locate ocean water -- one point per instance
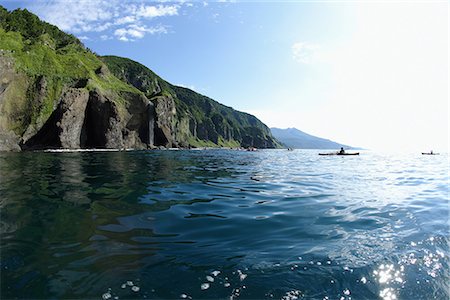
(223, 224)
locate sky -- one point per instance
(372, 74)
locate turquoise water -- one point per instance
(271, 224)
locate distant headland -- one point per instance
(297, 139)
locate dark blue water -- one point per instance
(224, 224)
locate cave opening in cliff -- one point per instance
(95, 126)
(47, 136)
(160, 137)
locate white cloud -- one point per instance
(157, 11)
(187, 86)
(305, 52)
(76, 16)
(86, 16)
(134, 32)
(105, 37)
(102, 27)
(124, 39)
(193, 87)
(125, 20)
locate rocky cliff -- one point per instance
(189, 118)
(55, 93)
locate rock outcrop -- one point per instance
(86, 119)
(10, 83)
(165, 112)
(187, 118)
(9, 141)
(68, 97)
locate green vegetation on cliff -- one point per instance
(45, 59)
(31, 28)
(210, 123)
(39, 63)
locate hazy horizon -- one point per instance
(367, 74)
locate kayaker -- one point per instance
(342, 151)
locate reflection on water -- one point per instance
(223, 224)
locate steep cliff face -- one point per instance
(40, 111)
(10, 84)
(55, 93)
(86, 119)
(63, 127)
(188, 118)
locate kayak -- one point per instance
(356, 153)
(427, 153)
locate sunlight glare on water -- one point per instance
(270, 224)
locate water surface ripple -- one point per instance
(271, 224)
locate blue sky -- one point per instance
(366, 73)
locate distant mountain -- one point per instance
(294, 138)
